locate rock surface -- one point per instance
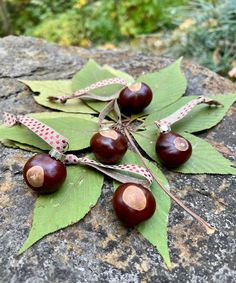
(97, 249)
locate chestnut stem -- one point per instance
(207, 226)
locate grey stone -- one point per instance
(98, 249)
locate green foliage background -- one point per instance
(82, 22)
(208, 35)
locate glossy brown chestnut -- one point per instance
(108, 146)
(133, 203)
(133, 99)
(172, 149)
(43, 174)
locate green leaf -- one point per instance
(66, 206)
(57, 88)
(14, 144)
(168, 110)
(200, 118)
(118, 73)
(155, 228)
(167, 85)
(147, 140)
(77, 128)
(91, 73)
(205, 159)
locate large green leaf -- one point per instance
(155, 228)
(168, 85)
(68, 205)
(57, 88)
(200, 118)
(77, 128)
(204, 158)
(92, 72)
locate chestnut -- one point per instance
(173, 149)
(133, 99)
(108, 146)
(43, 174)
(133, 203)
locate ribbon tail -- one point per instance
(105, 111)
(165, 123)
(84, 92)
(10, 119)
(120, 177)
(210, 102)
(49, 135)
(144, 178)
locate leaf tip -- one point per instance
(179, 60)
(22, 81)
(27, 244)
(168, 264)
(92, 61)
(210, 230)
(21, 250)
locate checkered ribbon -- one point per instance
(109, 170)
(60, 145)
(84, 92)
(183, 111)
(49, 135)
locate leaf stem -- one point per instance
(105, 111)
(207, 226)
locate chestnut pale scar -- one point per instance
(181, 144)
(110, 134)
(135, 87)
(134, 197)
(35, 176)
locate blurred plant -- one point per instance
(4, 19)
(203, 30)
(206, 32)
(99, 22)
(85, 22)
(26, 14)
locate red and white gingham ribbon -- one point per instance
(165, 123)
(60, 145)
(84, 91)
